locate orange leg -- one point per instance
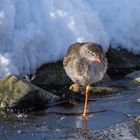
(86, 100)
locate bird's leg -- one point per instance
(86, 100)
(74, 87)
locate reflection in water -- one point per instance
(85, 123)
(79, 122)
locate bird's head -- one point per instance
(92, 52)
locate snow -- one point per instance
(35, 32)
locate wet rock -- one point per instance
(122, 58)
(96, 91)
(102, 90)
(134, 76)
(19, 93)
(137, 126)
(121, 62)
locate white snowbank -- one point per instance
(34, 32)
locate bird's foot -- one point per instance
(84, 116)
(74, 87)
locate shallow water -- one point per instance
(66, 122)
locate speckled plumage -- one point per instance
(79, 68)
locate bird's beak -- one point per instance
(96, 58)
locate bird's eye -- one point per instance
(90, 52)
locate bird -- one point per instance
(85, 64)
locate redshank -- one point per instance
(85, 63)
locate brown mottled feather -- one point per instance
(71, 50)
(79, 69)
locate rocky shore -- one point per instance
(51, 84)
(52, 77)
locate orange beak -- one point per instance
(96, 58)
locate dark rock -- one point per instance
(121, 62)
(137, 126)
(134, 76)
(19, 93)
(52, 75)
(122, 58)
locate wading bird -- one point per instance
(85, 64)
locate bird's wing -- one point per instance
(66, 60)
(73, 50)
